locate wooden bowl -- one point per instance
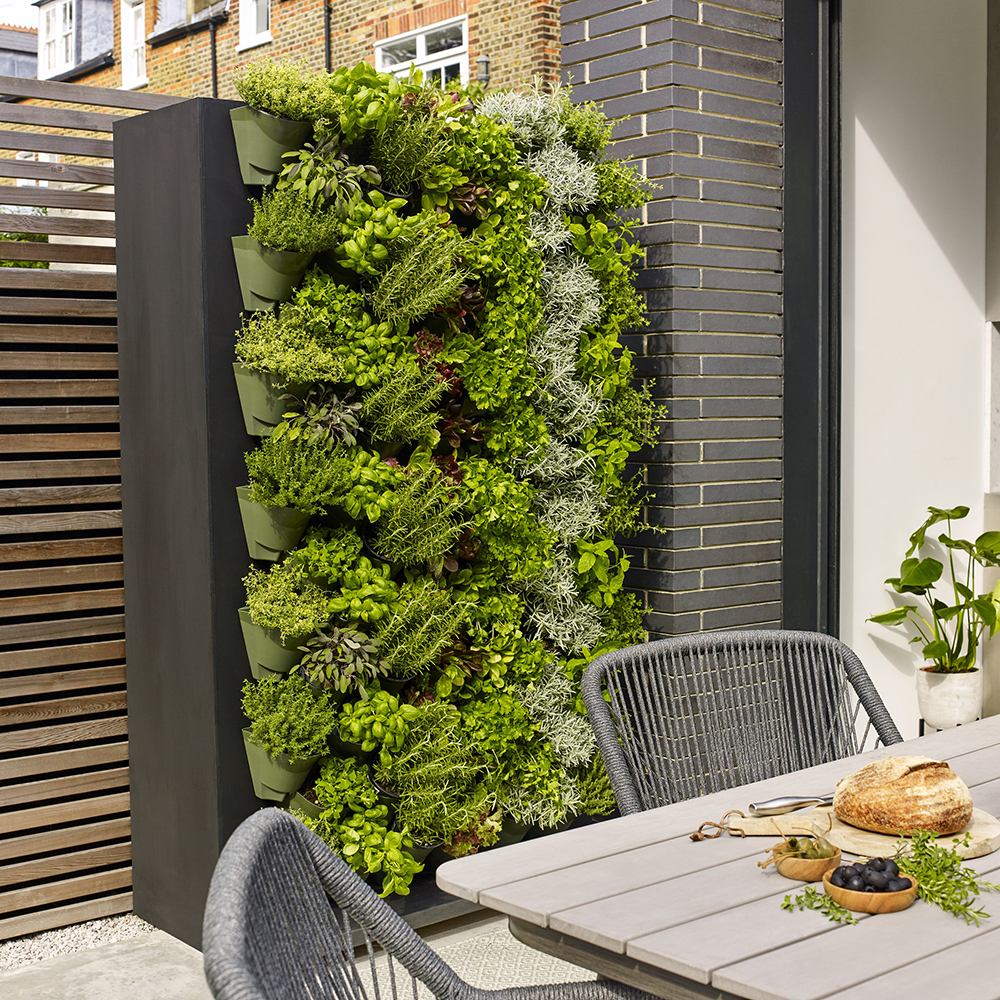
(808, 869)
(872, 902)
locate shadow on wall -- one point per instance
(916, 85)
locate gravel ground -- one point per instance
(65, 940)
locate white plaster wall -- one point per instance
(915, 342)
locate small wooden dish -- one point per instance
(807, 869)
(872, 902)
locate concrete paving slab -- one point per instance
(151, 967)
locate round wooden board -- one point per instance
(984, 828)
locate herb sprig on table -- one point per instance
(942, 878)
(810, 899)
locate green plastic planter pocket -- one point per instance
(268, 655)
(262, 400)
(261, 139)
(511, 832)
(267, 276)
(275, 777)
(300, 802)
(269, 530)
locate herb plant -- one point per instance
(322, 173)
(295, 473)
(288, 220)
(412, 142)
(810, 899)
(942, 878)
(325, 419)
(287, 89)
(341, 660)
(280, 600)
(288, 717)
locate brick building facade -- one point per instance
(519, 37)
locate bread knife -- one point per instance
(788, 803)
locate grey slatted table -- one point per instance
(639, 902)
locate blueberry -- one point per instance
(855, 884)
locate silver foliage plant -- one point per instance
(533, 117)
(550, 702)
(542, 812)
(556, 460)
(556, 610)
(571, 182)
(574, 509)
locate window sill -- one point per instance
(135, 84)
(254, 42)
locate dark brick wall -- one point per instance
(702, 84)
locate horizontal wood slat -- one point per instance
(73, 173)
(75, 93)
(58, 308)
(67, 413)
(65, 628)
(61, 788)
(55, 333)
(25, 444)
(31, 712)
(43, 279)
(57, 388)
(85, 520)
(62, 253)
(71, 888)
(55, 225)
(57, 840)
(62, 760)
(60, 576)
(63, 916)
(69, 732)
(64, 680)
(64, 864)
(94, 201)
(66, 361)
(37, 496)
(48, 604)
(16, 660)
(63, 468)
(63, 812)
(33, 114)
(48, 142)
(60, 548)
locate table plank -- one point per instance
(468, 877)
(536, 899)
(700, 948)
(966, 972)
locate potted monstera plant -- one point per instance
(950, 686)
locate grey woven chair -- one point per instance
(278, 927)
(696, 714)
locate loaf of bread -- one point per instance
(904, 794)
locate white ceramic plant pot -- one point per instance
(948, 700)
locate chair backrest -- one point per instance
(696, 714)
(278, 924)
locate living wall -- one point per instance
(453, 414)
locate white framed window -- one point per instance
(440, 50)
(133, 44)
(255, 23)
(56, 38)
(34, 158)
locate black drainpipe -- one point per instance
(326, 35)
(215, 63)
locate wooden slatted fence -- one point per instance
(64, 802)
